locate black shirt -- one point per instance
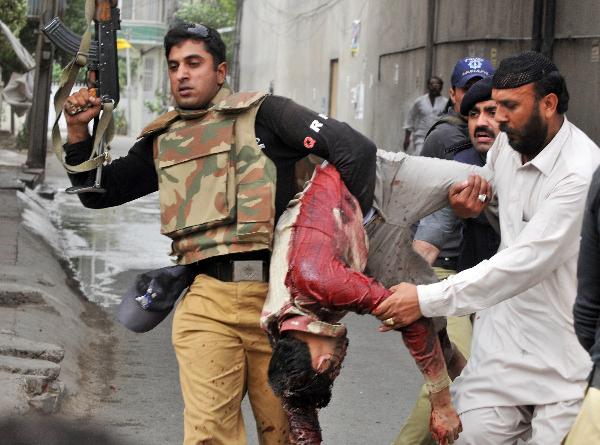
(448, 132)
(586, 310)
(440, 140)
(284, 130)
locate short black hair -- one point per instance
(438, 78)
(553, 82)
(293, 378)
(200, 33)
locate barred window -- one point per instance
(127, 9)
(142, 10)
(148, 79)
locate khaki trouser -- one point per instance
(586, 429)
(415, 430)
(222, 354)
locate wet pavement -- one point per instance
(107, 248)
(106, 244)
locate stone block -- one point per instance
(22, 347)
(28, 366)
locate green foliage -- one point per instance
(160, 104)
(120, 122)
(74, 16)
(214, 13)
(14, 15)
(22, 139)
(28, 35)
(57, 69)
(74, 19)
(134, 63)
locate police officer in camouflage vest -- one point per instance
(223, 164)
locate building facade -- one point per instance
(365, 61)
(143, 24)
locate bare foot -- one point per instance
(444, 424)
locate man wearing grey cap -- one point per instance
(527, 372)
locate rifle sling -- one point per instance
(105, 128)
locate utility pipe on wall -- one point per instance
(429, 43)
(549, 24)
(537, 25)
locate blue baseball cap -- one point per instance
(152, 296)
(469, 68)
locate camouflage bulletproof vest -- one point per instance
(216, 187)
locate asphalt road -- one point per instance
(371, 398)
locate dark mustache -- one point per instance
(487, 130)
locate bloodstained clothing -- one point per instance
(321, 248)
(319, 254)
(318, 257)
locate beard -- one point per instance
(530, 139)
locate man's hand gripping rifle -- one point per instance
(100, 57)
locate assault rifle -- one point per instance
(100, 57)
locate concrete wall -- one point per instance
(577, 55)
(288, 45)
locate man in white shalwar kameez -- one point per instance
(527, 373)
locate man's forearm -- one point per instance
(77, 133)
(540, 248)
(424, 346)
(125, 179)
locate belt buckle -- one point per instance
(248, 270)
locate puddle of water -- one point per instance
(104, 243)
(101, 244)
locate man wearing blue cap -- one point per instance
(440, 236)
(527, 372)
(451, 129)
(437, 243)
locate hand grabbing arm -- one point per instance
(469, 198)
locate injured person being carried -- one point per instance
(322, 247)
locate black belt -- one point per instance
(449, 263)
(246, 266)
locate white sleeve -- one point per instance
(547, 240)
(409, 121)
(408, 188)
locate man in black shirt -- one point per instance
(224, 167)
(586, 315)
